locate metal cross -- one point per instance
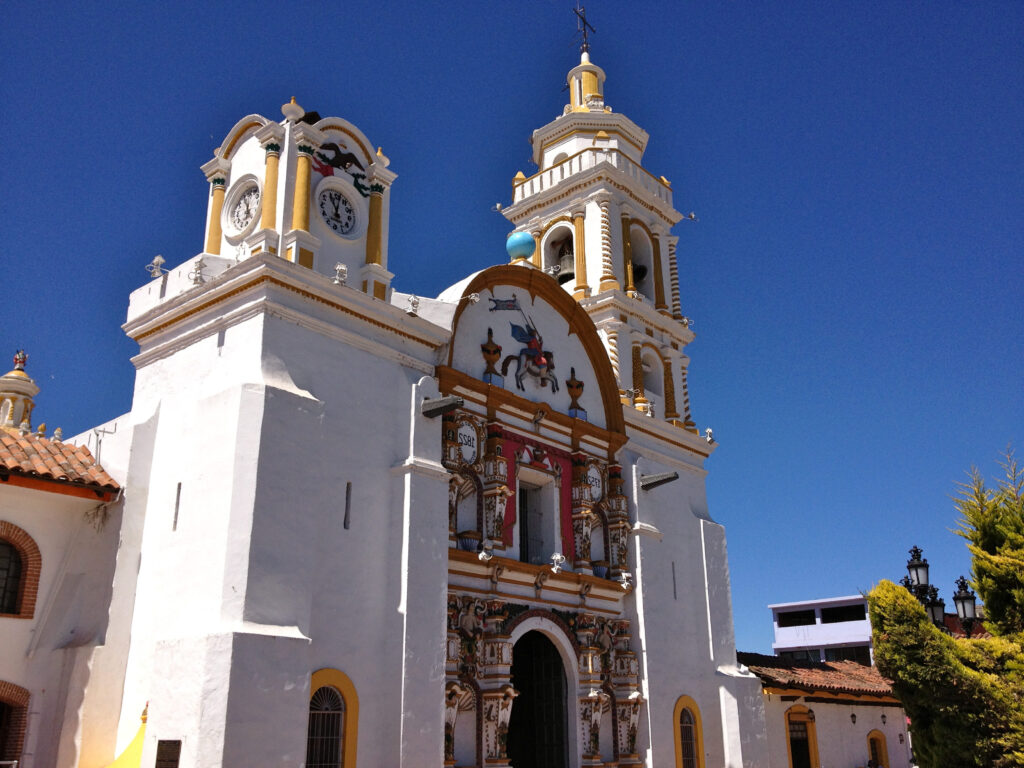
(582, 25)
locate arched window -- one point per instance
(689, 739)
(10, 578)
(20, 568)
(326, 732)
(333, 720)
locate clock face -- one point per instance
(245, 208)
(338, 213)
(596, 483)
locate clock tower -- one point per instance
(601, 224)
(308, 189)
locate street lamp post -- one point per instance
(965, 602)
(916, 582)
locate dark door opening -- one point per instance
(537, 727)
(799, 745)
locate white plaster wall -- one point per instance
(49, 654)
(841, 743)
(685, 621)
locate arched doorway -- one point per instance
(537, 726)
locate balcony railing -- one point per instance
(585, 160)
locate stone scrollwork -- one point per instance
(453, 696)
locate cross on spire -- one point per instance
(583, 26)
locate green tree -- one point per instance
(965, 697)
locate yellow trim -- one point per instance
(270, 191)
(374, 252)
(379, 290)
(801, 714)
(242, 131)
(305, 258)
(300, 208)
(877, 734)
(536, 259)
(685, 702)
(338, 680)
(214, 233)
(132, 755)
(582, 289)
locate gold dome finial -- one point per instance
(292, 111)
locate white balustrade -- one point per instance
(587, 160)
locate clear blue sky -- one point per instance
(855, 277)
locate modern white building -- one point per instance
(359, 527)
(831, 629)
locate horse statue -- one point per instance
(532, 360)
(527, 365)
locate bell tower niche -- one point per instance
(602, 227)
(307, 189)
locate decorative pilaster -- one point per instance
(688, 423)
(537, 257)
(453, 694)
(670, 387)
(495, 487)
(617, 510)
(659, 279)
(299, 245)
(217, 174)
(582, 515)
(375, 276)
(608, 281)
(497, 705)
(629, 721)
(591, 707)
(673, 272)
(640, 396)
(579, 249)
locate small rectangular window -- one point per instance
(796, 618)
(842, 613)
(168, 754)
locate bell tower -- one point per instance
(602, 227)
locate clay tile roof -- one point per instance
(831, 676)
(34, 456)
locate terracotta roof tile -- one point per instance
(35, 456)
(837, 676)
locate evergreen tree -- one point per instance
(965, 697)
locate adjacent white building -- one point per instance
(831, 629)
(360, 527)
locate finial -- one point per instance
(58, 434)
(382, 158)
(292, 111)
(20, 358)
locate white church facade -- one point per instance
(351, 526)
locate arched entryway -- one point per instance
(537, 729)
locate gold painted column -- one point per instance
(627, 254)
(303, 173)
(659, 282)
(374, 232)
(269, 215)
(218, 184)
(537, 257)
(579, 248)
